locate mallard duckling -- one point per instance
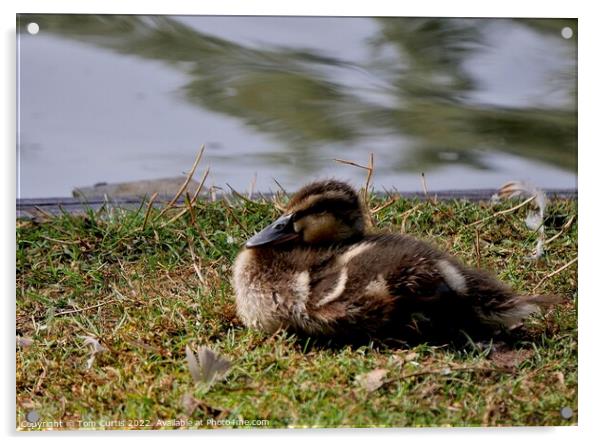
(317, 270)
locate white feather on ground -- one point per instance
(534, 219)
(95, 348)
(206, 366)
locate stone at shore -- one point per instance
(163, 187)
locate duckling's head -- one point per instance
(321, 213)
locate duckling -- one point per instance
(317, 270)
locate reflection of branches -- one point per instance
(434, 49)
(283, 92)
(271, 90)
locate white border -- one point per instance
(589, 148)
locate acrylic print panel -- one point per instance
(154, 153)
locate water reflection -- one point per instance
(423, 91)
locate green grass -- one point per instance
(137, 291)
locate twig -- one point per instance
(503, 212)
(73, 311)
(555, 272)
(148, 210)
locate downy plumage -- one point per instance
(317, 271)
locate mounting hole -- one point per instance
(33, 28)
(566, 412)
(566, 33)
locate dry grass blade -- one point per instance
(366, 189)
(448, 371)
(179, 215)
(200, 187)
(557, 271)
(280, 187)
(477, 244)
(54, 240)
(252, 186)
(194, 265)
(389, 203)
(185, 183)
(404, 217)
(564, 228)
(424, 188)
(190, 209)
(74, 311)
(237, 194)
(355, 164)
(369, 179)
(43, 212)
(148, 210)
(236, 220)
(503, 212)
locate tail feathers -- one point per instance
(514, 311)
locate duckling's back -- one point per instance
(384, 285)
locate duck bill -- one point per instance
(278, 232)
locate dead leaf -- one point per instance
(401, 359)
(24, 342)
(190, 404)
(560, 377)
(410, 356)
(509, 358)
(371, 381)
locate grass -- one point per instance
(135, 287)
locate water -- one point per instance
(473, 103)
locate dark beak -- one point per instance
(278, 232)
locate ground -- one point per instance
(145, 285)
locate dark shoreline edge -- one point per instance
(28, 208)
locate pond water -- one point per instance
(472, 103)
